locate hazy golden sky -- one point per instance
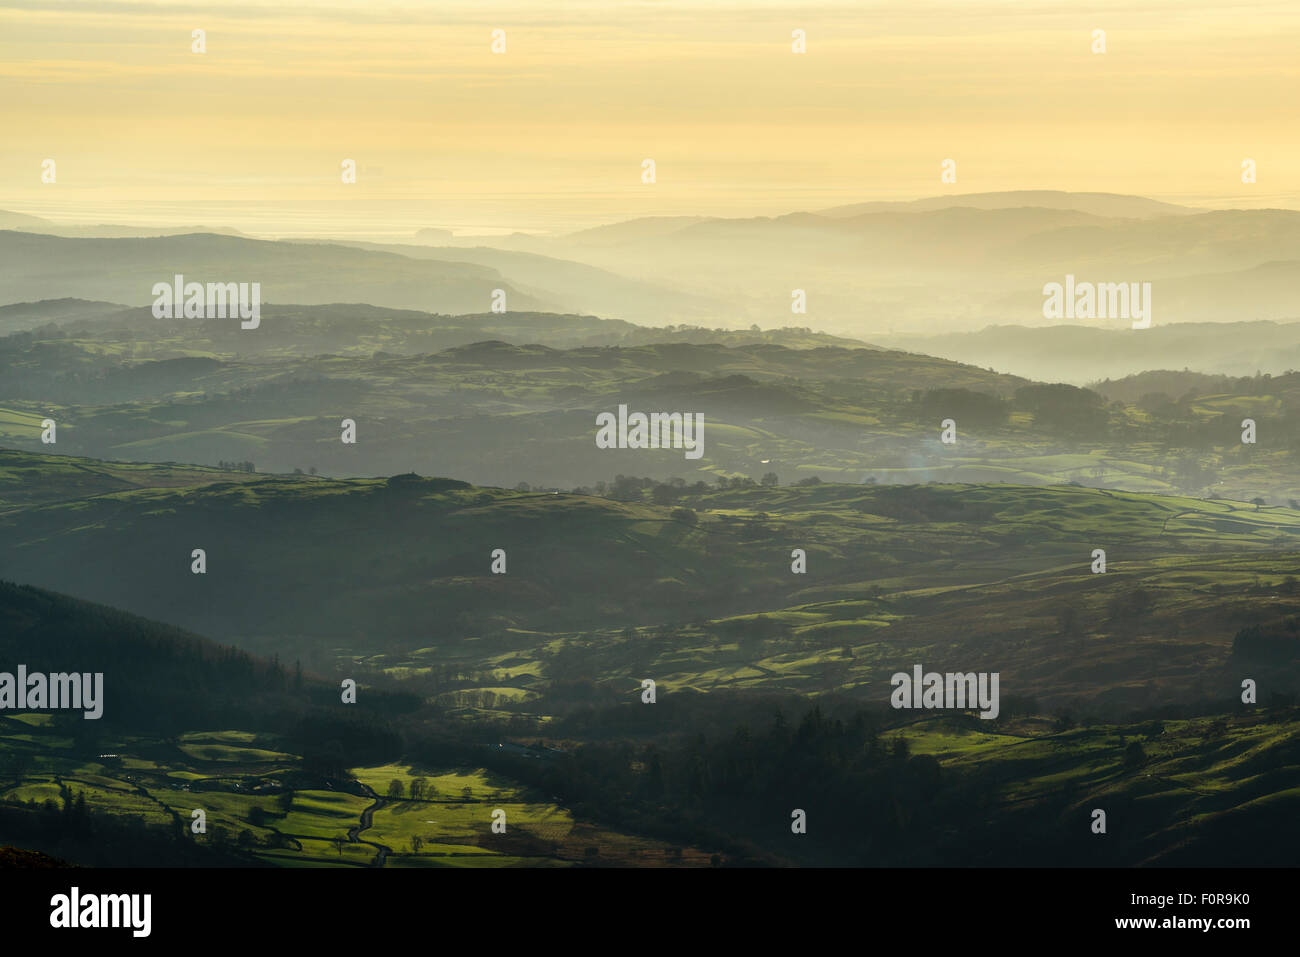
(551, 134)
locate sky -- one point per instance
(550, 135)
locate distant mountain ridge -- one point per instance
(1081, 354)
(125, 270)
(1097, 204)
(940, 264)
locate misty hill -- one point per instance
(1096, 204)
(1079, 354)
(581, 288)
(632, 230)
(940, 265)
(496, 413)
(104, 332)
(957, 263)
(1167, 385)
(12, 220)
(28, 315)
(125, 270)
(489, 411)
(36, 224)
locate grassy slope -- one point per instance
(948, 575)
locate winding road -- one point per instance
(367, 817)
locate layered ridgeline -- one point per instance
(356, 329)
(816, 588)
(792, 403)
(948, 264)
(123, 267)
(1083, 355)
(958, 263)
(126, 271)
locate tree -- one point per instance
(417, 842)
(664, 494)
(769, 480)
(1134, 755)
(419, 787)
(395, 789)
(977, 409)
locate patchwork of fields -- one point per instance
(259, 800)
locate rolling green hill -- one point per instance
(690, 583)
(496, 414)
